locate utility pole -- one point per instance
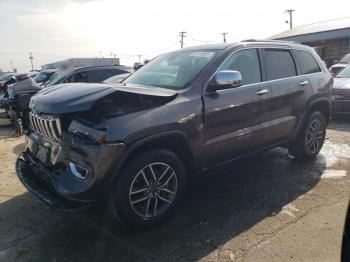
(224, 36)
(11, 66)
(139, 58)
(31, 59)
(290, 22)
(182, 35)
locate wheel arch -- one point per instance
(323, 105)
(174, 141)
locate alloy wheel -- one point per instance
(314, 136)
(153, 190)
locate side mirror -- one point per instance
(224, 80)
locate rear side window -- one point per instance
(97, 76)
(279, 64)
(247, 63)
(307, 62)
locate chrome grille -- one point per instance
(46, 125)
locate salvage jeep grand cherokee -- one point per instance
(134, 145)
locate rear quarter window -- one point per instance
(279, 64)
(307, 62)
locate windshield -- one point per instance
(345, 73)
(345, 59)
(173, 71)
(5, 77)
(54, 79)
(42, 77)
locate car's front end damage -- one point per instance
(69, 160)
(65, 173)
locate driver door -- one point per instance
(237, 119)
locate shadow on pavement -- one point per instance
(219, 207)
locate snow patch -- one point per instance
(290, 210)
(330, 173)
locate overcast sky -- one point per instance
(58, 29)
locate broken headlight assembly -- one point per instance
(82, 130)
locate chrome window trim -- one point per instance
(262, 82)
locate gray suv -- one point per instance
(134, 145)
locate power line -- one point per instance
(202, 41)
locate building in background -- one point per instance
(82, 62)
(331, 39)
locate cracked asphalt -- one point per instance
(268, 208)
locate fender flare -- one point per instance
(137, 144)
(311, 103)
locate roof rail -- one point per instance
(270, 41)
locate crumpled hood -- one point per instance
(26, 86)
(341, 83)
(78, 97)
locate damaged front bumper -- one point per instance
(51, 171)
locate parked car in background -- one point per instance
(3, 79)
(18, 96)
(134, 145)
(341, 92)
(15, 78)
(340, 65)
(95, 74)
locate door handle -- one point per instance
(303, 83)
(262, 92)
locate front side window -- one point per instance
(77, 78)
(307, 62)
(173, 70)
(279, 64)
(247, 63)
(97, 76)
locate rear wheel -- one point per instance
(149, 189)
(311, 139)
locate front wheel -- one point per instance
(311, 138)
(149, 189)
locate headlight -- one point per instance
(95, 135)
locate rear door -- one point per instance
(237, 119)
(287, 92)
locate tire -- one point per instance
(308, 145)
(138, 202)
